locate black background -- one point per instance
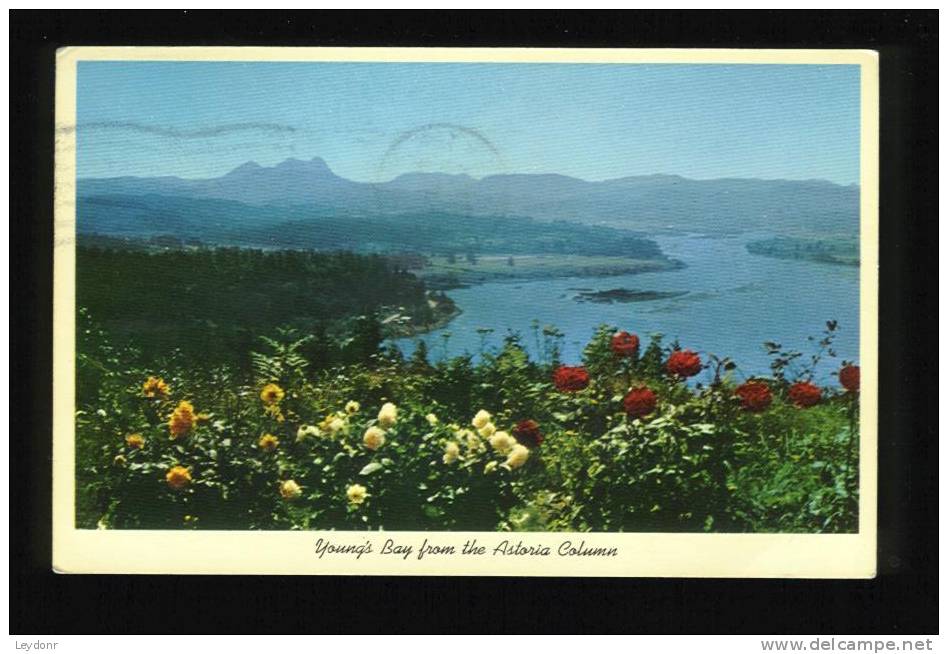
(902, 599)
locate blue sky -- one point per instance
(371, 122)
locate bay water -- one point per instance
(733, 302)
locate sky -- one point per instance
(374, 121)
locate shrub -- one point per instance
(614, 444)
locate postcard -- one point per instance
(515, 312)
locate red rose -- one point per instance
(527, 432)
(625, 344)
(571, 378)
(755, 396)
(639, 402)
(683, 363)
(849, 378)
(805, 394)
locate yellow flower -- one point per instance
(271, 394)
(481, 419)
(352, 407)
(290, 490)
(502, 442)
(451, 452)
(268, 442)
(487, 430)
(356, 494)
(374, 438)
(135, 441)
(155, 387)
(432, 419)
(182, 419)
(518, 456)
(273, 410)
(388, 415)
(119, 460)
(178, 477)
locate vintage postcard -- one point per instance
(466, 312)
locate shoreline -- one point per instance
(409, 330)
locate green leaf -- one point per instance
(370, 468)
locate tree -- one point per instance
(419, 358)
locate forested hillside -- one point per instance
(214, 302)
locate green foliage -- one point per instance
(215, 302)
(699, 462)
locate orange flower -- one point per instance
(135, 441)
(272, 394)
(155, 387)
(268, 442)
(178, 477)
(181, 420)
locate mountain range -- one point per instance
(296, 190)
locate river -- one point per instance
(735, 301)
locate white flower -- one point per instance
(352, 407)
(388, 415)
(451, 452)
(471, 440)
(432, 419)
(481, 419)
(306, 430)
(517, 457)
(487, 430)
(356, 494)
(374, 438)
(502, 442)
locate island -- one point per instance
(445, 273)
(624, 295)
(840, 251)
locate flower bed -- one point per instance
(621, 441)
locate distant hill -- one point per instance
(226, 222)
(643, 203)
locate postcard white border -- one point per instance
(292, 552)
